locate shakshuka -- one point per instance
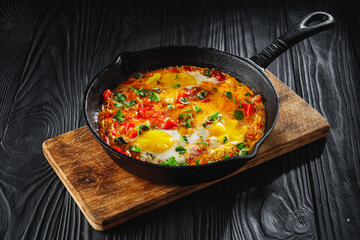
(181, 116)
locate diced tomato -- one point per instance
(206, 100)
(107, 94)
(170, 124)
(179, 105)
(218, 75)
(120, 150)
(231, 155)
(114, 133)
(257, 98)
(133, 134)
(187, 68)
(129, 126)
(111, 104)
(192, 91)
(260, 125)
(183, 94)
(106, 139)
(173, 70)
(196, 149)
(107, 115)
(116, 124)
(249, 109)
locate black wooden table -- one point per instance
(49, 51)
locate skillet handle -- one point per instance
(307, 27)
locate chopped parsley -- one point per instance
(176, 85)
(228, 94)
(211, 161)
(171, 161)
(134, 149)
(202, 94)
(226, 156)
(119, 116)
(184, 100)
(177, 76)
(119, 97)
(120, 140)
(197, 108)
(205, 143)
(225, 139)
(187, 123)
(180, 149)
(141, 92)
(187, 117)
(169, 106)
(184, 138)
(243, 150)
(197, 162)
(238, 114)
(212, 118)
(240, 145)
(207, 73)
(234, 100)
(154, 97)
(130, 103)
(119, 105)
(144, 126)
(247, 94)
(137, 75)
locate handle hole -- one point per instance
(316, 20)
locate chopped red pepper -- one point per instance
(179, 105)
(196, 149)
(231, 155)
(257, 98)
(107, 115)
(218, 75)
(192, 91)
(260, 125)
(133, 134)
(183, 94)
(114, 133)
(116, 124)
(107, 94)
(249, 109)
(187, 68)
(120, 150)
(129, 126)
(170, 124)
(206, 100)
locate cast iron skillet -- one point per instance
(248, 71)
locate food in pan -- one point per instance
(181, 116)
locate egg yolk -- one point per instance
(232, 128)
(170, 79)
(154, 141)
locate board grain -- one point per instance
(108, 195)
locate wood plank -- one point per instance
(108, 195)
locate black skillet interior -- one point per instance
(250, 72)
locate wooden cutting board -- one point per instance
(107, 195)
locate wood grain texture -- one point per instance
(108, 195)
(49, 51)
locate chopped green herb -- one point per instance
(228, 94)
(180, 149)
(119, 117)
(134, 149)
(202, 94)
(225, 139)
(177, 76)
(207, 73)
(243, 152)
(184, 138)
(171, 161)
(140, 92)
(139, 100)
(136, 75)
(130, 103)
(185, 115)
(234, 100)
(155, 97)
(155, 89)
(226, 156)
(144, 126)
(184, 100)
(249, 102)
(197, 108)
(176, 85)
(189, 110)
(119, 97)
(138, 131)
(238, 114)
(240, 145)
(210, 161)
(187, 123)
(197, 162)
(120, 140)
(247, 94)
(119, 105)
(169, 106)
(212, 118)
(205, 143)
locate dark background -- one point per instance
(50, 50)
